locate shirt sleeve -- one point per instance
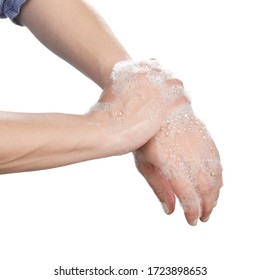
(11, 9)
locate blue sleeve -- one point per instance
(11, 8)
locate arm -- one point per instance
(129, 112)
(39, 141)
(76, 33)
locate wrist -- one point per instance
(107, 66)
(100, 138)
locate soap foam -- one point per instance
(140, 92)
(187, 152)
(125, 71)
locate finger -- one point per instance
(189, 199)
(219, 185)
(209, 188)
(207, 191)
(159, 184)
(208, 203)
(213, 172)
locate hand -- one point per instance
(182, 160)
(134, 104)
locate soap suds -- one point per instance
(187, 152)
(140, 92)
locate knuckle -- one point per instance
(178, 82)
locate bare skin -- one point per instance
(40, 141)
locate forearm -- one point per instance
(39, 141)
(75, 32)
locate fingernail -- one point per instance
(165, 208)
(215, 203)
(205, 220)
(194, 223)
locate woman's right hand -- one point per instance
(134, 104)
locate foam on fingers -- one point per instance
(187, 152)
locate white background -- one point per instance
(102, 212)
